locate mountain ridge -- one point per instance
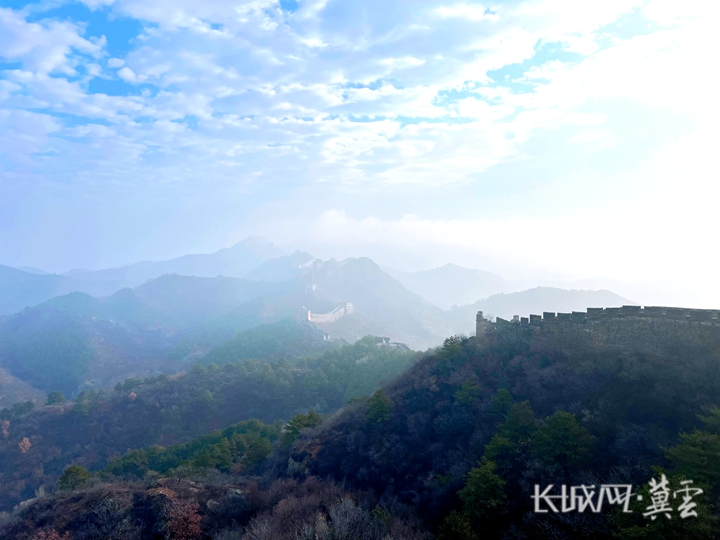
(451, 285)
(26, 288)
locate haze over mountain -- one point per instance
(22, 288)
(78, 340)
(379, 301)
(533, 301)
(451, 284)
(284, 268)
(32, 270)
(234, 261)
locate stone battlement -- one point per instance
(652, 329)
(334, 315)
(706, 316)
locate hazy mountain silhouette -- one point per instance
(533, 301)
(451, 284)
(235, 261)
(284, 268)
(19, 289)
(76, 339)
(379, 299)
(29, 287)
(33, 270)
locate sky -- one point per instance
(543, 140)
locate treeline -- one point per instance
(101, 425)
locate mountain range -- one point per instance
(88, 338)
(451, 285)
(20, 288)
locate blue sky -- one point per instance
(546, 137)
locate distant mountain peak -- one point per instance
(285, 268)
(33, 270)
(259, 246)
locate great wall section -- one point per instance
(334, 315)
(659, 331)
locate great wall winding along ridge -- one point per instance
(334, 315)
(660, 331)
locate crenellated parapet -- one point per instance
(334, 315)
(706, 316)
(651, 329)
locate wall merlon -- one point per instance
(535, 319)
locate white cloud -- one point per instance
(314, 42)
(127, 74)
(43, 46)
(472, 12)
(599, 139)
(628, 239)
(359, 96)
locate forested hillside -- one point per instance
(13, 390)
(452, 448)
(76, 341)
(286, 338)
(465, 434)
(100, 425)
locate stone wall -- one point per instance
(331, 317)
(660, 331)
